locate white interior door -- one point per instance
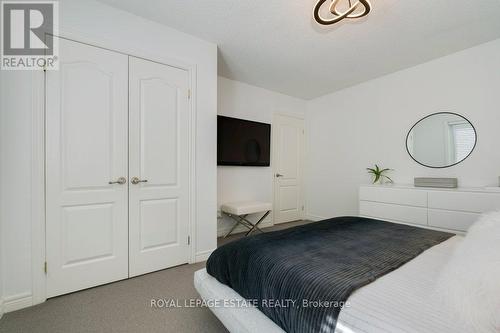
(159, 163)
(288, 148)
(86, 148)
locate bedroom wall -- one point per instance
(117, 30)
(2, 107)
(352, 129)
(15, 189)
(240, 100)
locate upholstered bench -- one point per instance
(239, 211)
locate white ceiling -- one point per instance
(275, 44)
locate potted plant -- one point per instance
(379, 175)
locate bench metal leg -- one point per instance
(256, 225)
(240, 220)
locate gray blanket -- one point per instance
(302, 277)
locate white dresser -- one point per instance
(443, 209)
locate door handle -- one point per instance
(121, 181)
(279, 175)
(136, 181)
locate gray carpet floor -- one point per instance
(124, 306)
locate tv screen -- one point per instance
(243, 142)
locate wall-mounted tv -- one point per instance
(243, 142)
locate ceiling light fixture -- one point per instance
(337, 16)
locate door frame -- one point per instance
(274, 164)
(38, 198)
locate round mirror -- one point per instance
(441, 140)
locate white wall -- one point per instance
(15, 180)
(241, 100)
(118, 30)
(2, 102)
(352, 129)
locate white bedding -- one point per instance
(398, 302)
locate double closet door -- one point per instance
(117, 168)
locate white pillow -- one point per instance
(469, 285)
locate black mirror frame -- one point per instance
(448, 166)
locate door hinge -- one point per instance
(189, 240)
(189, 93)
(45, 267)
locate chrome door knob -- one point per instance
(136, 181)
(121, 181)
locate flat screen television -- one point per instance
(243, 142)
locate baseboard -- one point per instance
(17, 302)
(315, 217)
(203, 256)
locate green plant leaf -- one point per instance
(378, 173)
(392, 181)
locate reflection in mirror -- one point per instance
(441, 140)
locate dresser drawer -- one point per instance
(398, 196)
(460, 221)
(384, 211)
(464, 201)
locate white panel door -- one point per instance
(159, 166)
(288, 144)
(86, 149)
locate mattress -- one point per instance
(401, 301)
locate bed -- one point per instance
(396, 298)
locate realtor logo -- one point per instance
(28, 29)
